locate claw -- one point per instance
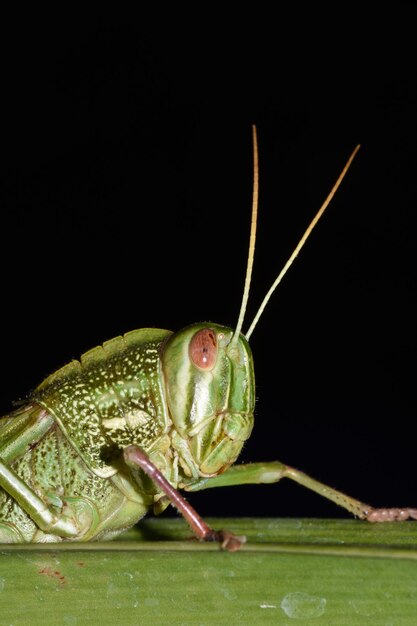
(227, 540)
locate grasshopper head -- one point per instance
(210, 388)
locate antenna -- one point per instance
(300, 243)
(252, 239)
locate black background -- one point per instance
(126, 192)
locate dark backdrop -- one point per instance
(126, 192)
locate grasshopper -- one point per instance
(104, 439)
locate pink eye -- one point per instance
(203, 349)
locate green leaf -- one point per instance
(290, 572)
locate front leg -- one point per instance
(136, 458)
(273, 472)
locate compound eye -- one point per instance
(203, 349)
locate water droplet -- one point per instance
(299, 605)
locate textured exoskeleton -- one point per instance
(63, 472)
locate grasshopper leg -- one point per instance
(34, 506)
(20, 433)
(273, 472)
(136, 458)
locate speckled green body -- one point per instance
(112, 397)
(66, 444)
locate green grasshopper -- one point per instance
(104, 439)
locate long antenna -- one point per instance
(252, 239)
(300, 243)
